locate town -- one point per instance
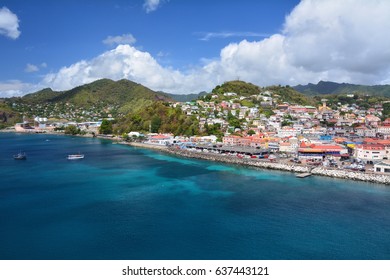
(260, 127)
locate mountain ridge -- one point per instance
(328, 87)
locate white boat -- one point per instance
(20, 155)
(75, 156)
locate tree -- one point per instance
(72, 130)
(105, 127)
(386, 110)
(251, 132)
(235, 123)
(155, 124)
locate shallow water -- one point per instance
(129, 203)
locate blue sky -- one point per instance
(186, 46)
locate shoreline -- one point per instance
(257, 163)
(264, 164)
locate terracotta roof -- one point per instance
(371, 147)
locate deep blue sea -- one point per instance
(122, 202)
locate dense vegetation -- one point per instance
(158, 117)
(239, 87)
(8, 117)
(90, 101)
(288, 94)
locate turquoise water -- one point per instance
(129, 203)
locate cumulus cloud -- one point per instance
(340, 37)
(151, 5)
(16, 88)
(31, 68)
(9, 23)
(342, 41)
(117, 40)
(127, 62)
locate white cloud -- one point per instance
(31, 68)
(340, 37)
(117, 40)
(122, 62)
(342, 41)
(16, 88)
(151, 5)
(9, 23)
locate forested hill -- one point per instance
(284, 94)
(104, 90)
(121, 96)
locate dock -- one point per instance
(303, 175)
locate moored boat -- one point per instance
(75, 156)
(20, 155)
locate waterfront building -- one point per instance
(382, 167)
(371, 153)
(160, 139)
(319, 151)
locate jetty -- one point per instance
(303, 175)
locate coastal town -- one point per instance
(262, 128)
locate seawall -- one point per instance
(320, 171)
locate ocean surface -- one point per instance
(122, 202)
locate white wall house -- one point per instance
(384, 130)
(288, 132)
(382, 167)
(371, 153)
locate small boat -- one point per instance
(75, 156)
(20, 155)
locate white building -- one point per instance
(382, 167)
(384, 130)
(288, 132)
(371, 153)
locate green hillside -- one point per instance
(290, 95)
(44, 95)
(158, 117)
(98, 99)
(8, 116)
(281, 94)
(109, 91)
(239, 87)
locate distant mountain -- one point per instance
(124, 95)
(324, 87)
(185, 97)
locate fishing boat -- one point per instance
(75, 156)
(20, 155)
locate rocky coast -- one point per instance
(282, 166)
